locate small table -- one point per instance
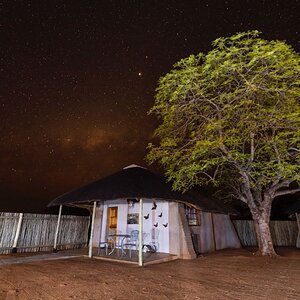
(120, 236)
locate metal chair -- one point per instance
(108, 243)
(133, 242)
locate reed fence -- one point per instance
(37, 232)
(284, 233)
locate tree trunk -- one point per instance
(263, 234)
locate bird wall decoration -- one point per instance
(160, 215)
(165, 225)
(155, 225)
(154, 205)
(146, 217)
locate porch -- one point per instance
(149, 258)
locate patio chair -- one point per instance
(108, 243)
(132, 243)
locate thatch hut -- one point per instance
(137, 199)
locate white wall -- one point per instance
(225, 234)
(180, 236)
(158, 235)
(215, 232)
(175, 228)
(171, 239)
(205, 234)
(97, 224)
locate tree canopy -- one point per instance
(233, 111)
(233, 115)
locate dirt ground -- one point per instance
(228, 274)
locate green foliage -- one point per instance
(234, 110)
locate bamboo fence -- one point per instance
(38, 231)
(284, 233)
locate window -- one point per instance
(192, 215)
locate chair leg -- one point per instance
(106, 248)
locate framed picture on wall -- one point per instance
(133, 218)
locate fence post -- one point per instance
(57, 230)
(14, 249)
(298, 236)
(141, 234)
(92, 230)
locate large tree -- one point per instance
(234, 115)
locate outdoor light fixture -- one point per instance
(131, 202)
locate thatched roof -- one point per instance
(133, 182)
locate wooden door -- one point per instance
(112, 220)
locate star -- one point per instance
(77, 95)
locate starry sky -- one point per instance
(78, 77)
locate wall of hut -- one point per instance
(163, 225)
(215, 232)
(284, 233)
(37, 232)
(155, 222)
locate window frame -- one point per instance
(192, 215)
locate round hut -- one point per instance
(136, 199)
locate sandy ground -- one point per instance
(228, 274)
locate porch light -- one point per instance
(131, 202)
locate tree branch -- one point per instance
(252, 146)
(286, 192)
(278, 185)
(238, 193)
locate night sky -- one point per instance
(78, 77)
